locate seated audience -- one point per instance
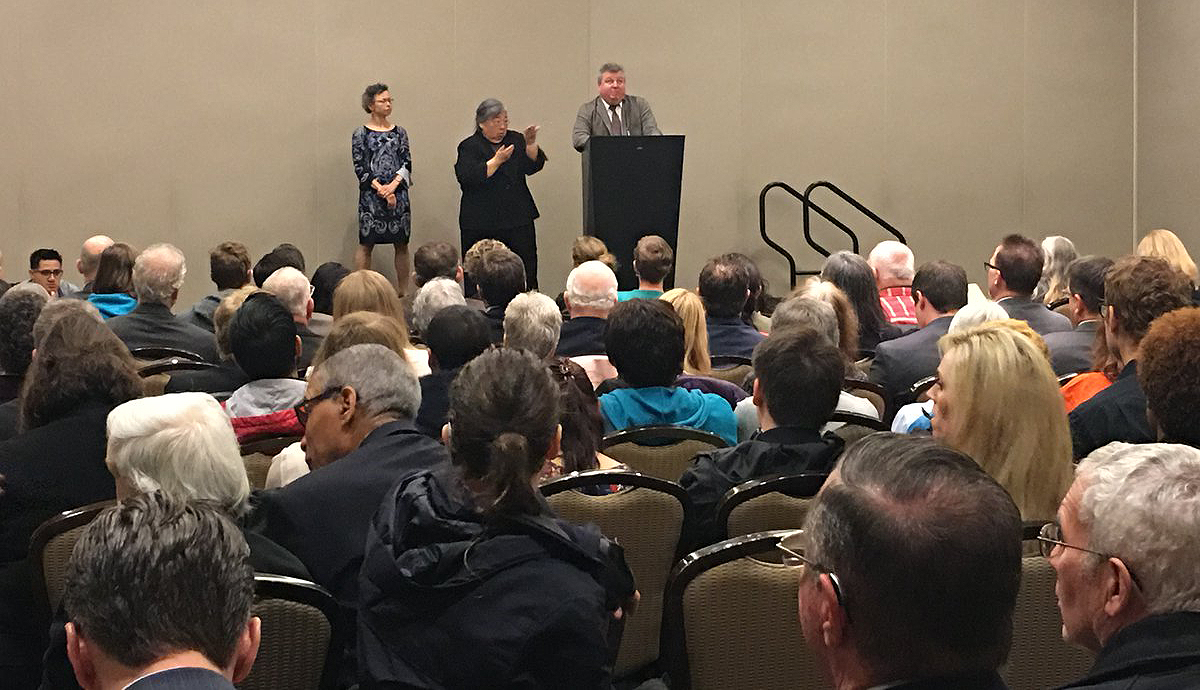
(366, 290)
(532, 322)
(18, 311)
(913, 562)
(500, 275)
(46, 269)
(689, 306)
(111, 288)
(724, 289)
(939, 290)
(227, 376)
(653, 260)
(1083, 386)
(892, 263)
(431, 260)
(229, 268)
(1137, 290)
(853, 276)
(79, 372)
(158, 274)
(324, 281)
(284, 255)
(1123, 550)
(997, 400)
(644, 339)
(471, 266)
(295, 292)
(1071, 351)
(847, 320)
(760, 304)
(582, 427)
(590, 295)
(263, 339)
(1169, 373)
(431, 297)
(790, 442)
(1052, 289)
(457, 335)
(1013, 273)
(1166, 245)
(478, 529)
(89, 261)
(170, 610)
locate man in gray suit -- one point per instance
(1013, 273)
(612, 113)
(1071, 351)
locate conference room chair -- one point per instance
(302, 636)
(731, 368)
(151, 354)
(659, 451)
(166, 366)
(50, 548)
(866, 390)
(855, 426)
(258, 454)
(775, 503)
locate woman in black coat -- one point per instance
(491, 168)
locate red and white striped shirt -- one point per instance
(898, 307)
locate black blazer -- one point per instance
(582, 335)
(153, 325)
(901, 362)
(502, 200)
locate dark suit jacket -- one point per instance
(495, 321)
(1155, 653)
(201, 313)
(153, 325)
(582, 335)
(1071, 351)
(1117, 413)
(309, 342)
(226, 378)
(435, 402)
(593, 120)
(902, 362)
(502, 200)
(1039, 318)
(183, 678)
(731, 336)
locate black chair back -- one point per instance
(774, 503)
(303, 635)
(153, 353)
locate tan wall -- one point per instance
(957, 120)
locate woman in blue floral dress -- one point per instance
(383, 166)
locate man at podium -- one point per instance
(612, 113)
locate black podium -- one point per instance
(631, 189)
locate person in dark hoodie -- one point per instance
(469, 580)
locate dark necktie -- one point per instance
(615, 127)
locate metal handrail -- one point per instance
(853, 202)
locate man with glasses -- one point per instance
(1124, 551)
(45, 269)
(912, 560)
(1013, 273)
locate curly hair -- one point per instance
(18, 312)
(1169, 371)
(1142, 288)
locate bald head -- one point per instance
(291, 288)
(89, 255)
(591, 290)
(892, 262)
(158, 274)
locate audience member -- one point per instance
(1080, 388)
(284, 255)
(644, 340)
(1169, 373)
(1123, 550)
(18, 312)
(479, 528)
(892, 263)
(853, 276)
(790, 441)
(431, 297)
(913, 562)
(431, 260)
(229, 268)
(158, 592)
(1058, 253)
(1166, 245)
(653, 260)
(158, 274)
(366, 290)
(1072, 351)
(111, 287)
(456, 335)
(227, 376)
(590, 295)
(295, 292)
(532, 323)
(1013, 273)
(262, 337)
(582, 426)
(997, 400)
(759, 305)
(471, 258)
(324, 281)
(847, 320)
(689, 306)
(724, 289)
(592, 248)
(1137, 290)
(939, 289)
(500, 275)
(45, 269)
(89, 261)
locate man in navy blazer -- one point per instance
(1071, 351)
(724, 288)
(613, 112)
(1013, 273)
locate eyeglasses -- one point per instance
(994, 267)
(793, 547)
(1050, 537)
(1104, 309)
(304, 408)
(50, 272)
(312, 289)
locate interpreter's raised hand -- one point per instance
(503, 153)
(531, 135)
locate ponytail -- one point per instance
(510, 469)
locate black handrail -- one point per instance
(853, 202)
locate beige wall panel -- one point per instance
(12, 146)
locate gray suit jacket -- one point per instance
(153, 325)
(1039, 318)
(592, 120)
(901, 362)
(1071, 351)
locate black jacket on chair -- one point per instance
(153, 325)
(502, 200)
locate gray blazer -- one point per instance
(1039, 318)
(592, 120)
(901, 362)
(1071, 351)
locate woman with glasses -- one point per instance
(383, 166)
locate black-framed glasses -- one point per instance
(994, 267)
(49, 272)
(304, 407)
(793, 547)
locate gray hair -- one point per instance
(608, 67)
(434, 296)
(181, 444)
(892, 259)
(532, 322)
(291, 288)
(55, 310)
(487, 109)
(1141, 503)
(808, 312)
(29, 287)
(591, 285)
(384, 382)
(976, 314)
(158, 272)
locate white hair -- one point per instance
(1141, 503)
(532, 322)
(892, 259)
(384, 382)
(434, 296)
(976, 313)
(158, 272)
(591, 285)
(181, 444)
(292, 289)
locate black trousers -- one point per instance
(521, 239)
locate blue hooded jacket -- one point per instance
(625, 408)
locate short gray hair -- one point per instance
(158, 272)
(532, 322)
(291, 287)
(487, 109)
(892, 259)
(55, 310)
(807, 312)
(1141, 503)
(976, 314)
(608, 67)
(182, 444)
(432, 297)
(384, 382)
(591, 285)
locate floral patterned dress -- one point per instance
(382, 156)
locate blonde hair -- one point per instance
(695, 330)
(847, 318)
(1009, 412)
(1165, 244)
(366, 290)
(223, 314)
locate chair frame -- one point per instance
(850, 384)
(728, 361)
(268, 586)
(155, 352)
(920, 388)
(670, 432)
(51, 528)
(268, 445)
(1067, 378)
(173, 364)
(804, 485)
(856, 419)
